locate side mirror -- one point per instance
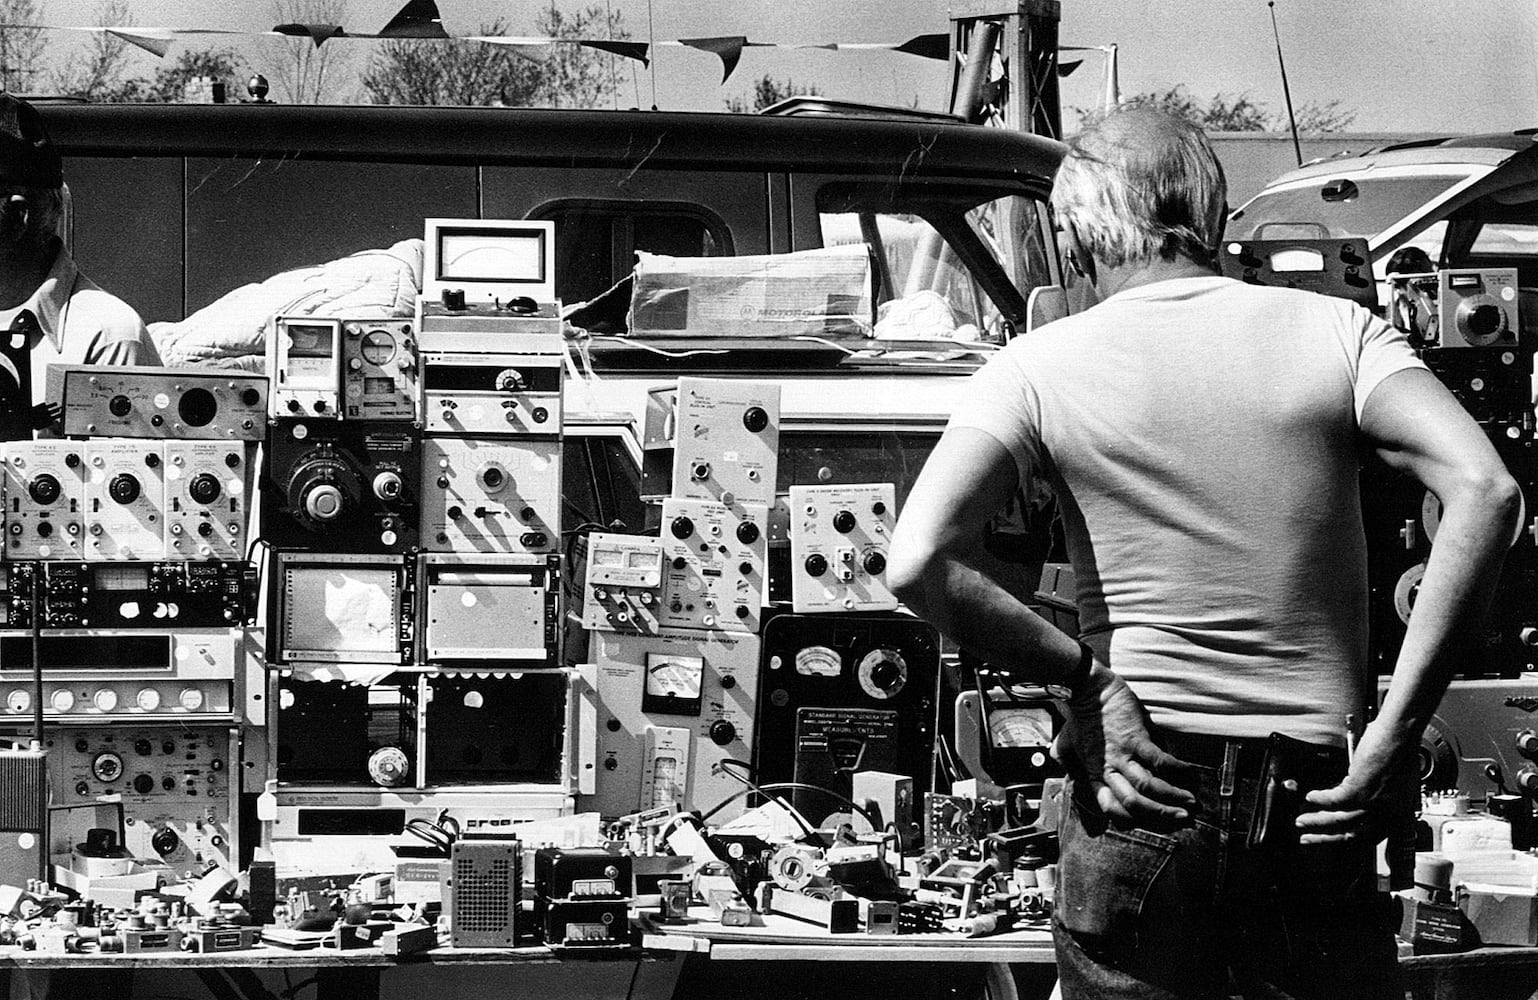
(1045, 304)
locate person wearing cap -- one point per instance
(49, 311)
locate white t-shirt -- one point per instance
(1201, 436)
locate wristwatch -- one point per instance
(1066, 691)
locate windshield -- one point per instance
(1336, 207)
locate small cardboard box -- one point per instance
(1501, 914)
(818, 293)
(1430, 927)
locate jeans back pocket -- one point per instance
(1104, 877)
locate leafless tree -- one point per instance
(98, 73)
(21, 45)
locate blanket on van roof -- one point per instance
(232, 331)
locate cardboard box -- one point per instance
(1500, 914)
(1430, 927)
(817, 293)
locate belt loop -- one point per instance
(1230, 772)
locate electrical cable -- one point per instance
(777, 786)
(628, 342)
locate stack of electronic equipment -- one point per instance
(412, 499)
(127, 576)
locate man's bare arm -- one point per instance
(1419, 428)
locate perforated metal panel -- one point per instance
(487, 880)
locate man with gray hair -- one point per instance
(49, 311)
(1201, 438)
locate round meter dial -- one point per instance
(378, 347)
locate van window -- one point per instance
(955, 263)
(596, 241)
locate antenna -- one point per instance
(1292, 121)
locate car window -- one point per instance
(596, 241)
(1334, 208)
(954, 264)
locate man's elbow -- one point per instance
(1505, 498)
(1493, 492)
(907, 565)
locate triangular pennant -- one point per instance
(928, 46)
(727, 47)
(418, 19)
(159, 46)
(630, 50)
(1065, 68)
(320, 33)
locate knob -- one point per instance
(61, 700)
(493, 477)
(105, 700)
(1485, 321)
(816, 564)
(293, 406)
(728, 682)
(722, 732)
(320, 406)
(323, 502)
(1529, 636)
(143, 784)
(249, 396)
(191, 699)
(205, 529)
(1527, 744)
(44, 529)
(885, 675)
(168, 783)
(843, 522)
(18, 701)
(747, 532)
(45, 489)
(119, 406)
(124, 488)
(388, 485)
(682, 527)
(699, 471)
(204, 488)
(878, 508)
(755, 418)
(143, 748)
(455, 513)
(107, 766)
(147, 699)
(1527, 781)
(874, 563)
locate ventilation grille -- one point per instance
(21, 789)
(486, 889)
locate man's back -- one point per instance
(1201, 435)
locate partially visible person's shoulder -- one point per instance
(95, 307)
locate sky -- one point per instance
(1398, 66)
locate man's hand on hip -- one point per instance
(1107, 733)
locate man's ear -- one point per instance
(1081, 260)
(14, 213)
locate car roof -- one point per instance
(1491, 149)
(676, 140)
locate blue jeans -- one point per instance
(1184, 912)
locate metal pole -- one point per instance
(1297, 147)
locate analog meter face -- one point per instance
(674, 684)
(378, 347)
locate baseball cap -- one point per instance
(27, 156)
